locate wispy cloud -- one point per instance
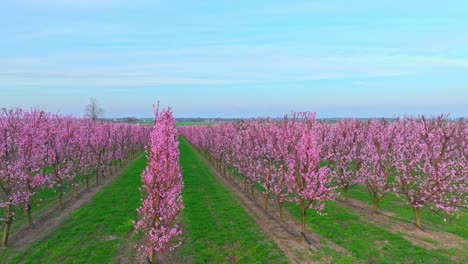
(48, 33)
(300, 7)
(192, 68)
(65, 3)
(63, 46)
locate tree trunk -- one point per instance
(280, 205)
(97, 178)
(151, 257)
(6, 230)
(28, 205)
(375, 208)
(417, 218)
(76, 192)
(87, 183)
(346, 195)
(252, 190)
(60, 197)
(265, 202)
(303, 219)
(28, 211)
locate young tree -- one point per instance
(162, 187)
(307, 180)
(345, 144)
(12, 177)
(32, 152)
(427, 170)
(378, 160)
(60, 135)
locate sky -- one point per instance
(236, 58)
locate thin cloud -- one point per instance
(65, 3)
(267, 67)
(45, 34)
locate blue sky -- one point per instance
(236, 58)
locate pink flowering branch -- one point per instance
(162, 187)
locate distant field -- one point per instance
(185, 123)
(181, 123)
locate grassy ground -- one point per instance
(391, 203)
(218, 229)
(194, 123)
(93, 233)
(45, 200)
(369, 243)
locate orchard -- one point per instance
(166, 192)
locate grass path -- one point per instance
(391, 203)
(218, 229)
(94, 232)
(369, 242)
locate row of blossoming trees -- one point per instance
(40, 150)
(162, 190)
(299, 159)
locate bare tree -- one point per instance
(93, 110)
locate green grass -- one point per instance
(45, 200)
(218, 229)
(367, 242)
(372, 244)
(193, 123)
(391, 203)
(94, 232)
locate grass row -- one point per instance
(42, 202)
(457, 225)
(94, 232)
(369, 243)
(194, 123)
(218, 230)
(45, 200)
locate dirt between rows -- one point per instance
(52, 218)
(287, 234)
(428, 239)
